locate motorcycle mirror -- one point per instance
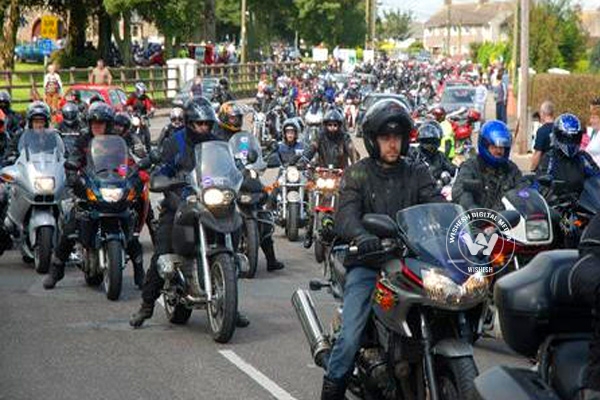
(511, 216)
(380, 225)
(252, 156)
(161, 183)
(71, 165)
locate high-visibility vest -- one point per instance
(447, 144)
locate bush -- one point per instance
(569, 93)
(84, 60)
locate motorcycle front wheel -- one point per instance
(292, 221)
(177, 314)
(249, 246)
(222, 310)
(43, 249)
(113, 275)
(455, 378)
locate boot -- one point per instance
(272, 263)
(145, 312)
(332, 390)
(138, 273)
(308, 239)
(57, 272)
(241, 321)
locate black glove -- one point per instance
(367, 243)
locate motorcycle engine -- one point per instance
(373, 368)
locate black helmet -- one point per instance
(386, 116)
(101, 112)
(70, 113)
(430, 136)
(5, 100)
(123, 119)
(333, 115)
(224, 82)
(38, 109)
(199, 109)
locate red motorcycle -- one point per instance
(464, 122)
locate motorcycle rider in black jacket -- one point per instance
(177, 158)
(12, 122)
(430, 138)
(175, 123)
(385, 183)
(70, 127)
(482, 181)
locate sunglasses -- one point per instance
(333, 124)
(203, 123)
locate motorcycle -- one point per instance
(541, 320)
(464, 122)
(324, 195)
(425, 311)
(37, 183)
(314, 120)
(259, 128)
(351, 112)
(141, 129)
(256, 220)
(201, 273)
(107, 218)
(290, 211)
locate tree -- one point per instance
(335, 22)
(10, 24)
(595, 58)
(394, 25)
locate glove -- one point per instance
(367, 243)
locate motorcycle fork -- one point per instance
(284, 201)
(203, 260)
(428, 358)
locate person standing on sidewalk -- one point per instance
(501, 93)
(52, 88)
(100, 75)
(543, 135)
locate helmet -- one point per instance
(430, 136)
(224, 82)
(199, 109)
(123, 119)
(101, 112)
(38, 109)
(293, 123)
(4, 100)
(438, 113)
(70, 113)
(333, 115)
(96, 99)
(176, 116)
(140, 88)
(386, 116)
(494, 133)
(567, 134)
(231, 116)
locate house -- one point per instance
(455, 26)
(590, 20)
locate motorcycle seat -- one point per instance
(569, 363)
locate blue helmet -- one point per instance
(567, 134)
(494, 133)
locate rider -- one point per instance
(289, 149)
(13, 120)
(222, 94)
(231, 118)
(565, 161)
(447, 143)
(429, 138)
(38, 119)
(177, 156)
(175, 123)
(100, 122)
(71, 126)
(122, 127)
(140, 104)
(482, 181)
(385, 183)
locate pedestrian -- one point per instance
(543, 135)
(501, 93)
(52, 88)
(480, 97)
(100, 75)
(196, 89)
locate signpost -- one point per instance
(49, 28)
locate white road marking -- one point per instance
(257, 376)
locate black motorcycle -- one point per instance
(425, 311)
(540, 319)
(202, 271)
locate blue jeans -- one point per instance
(501, 112)
(360, 283)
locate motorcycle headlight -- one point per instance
(329, 183)
(111, 195)
(293, 196)
(444, 290)
(44, 184)
(217, 197)
(253, 174)
(293, 175)
(537, 230)
(245, 198)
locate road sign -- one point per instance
(49, 28)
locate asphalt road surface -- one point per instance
(72, 343)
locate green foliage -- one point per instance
(595, 58)
(474, 49)
(394, 25)
(415, 47)
(488, 52)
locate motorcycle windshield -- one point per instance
(241, 144)
(215, 166)
(427, 229)
(528, 202)
(41, 146)
(108, 157)
(590, 196)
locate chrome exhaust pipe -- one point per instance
(311, 325)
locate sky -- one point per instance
(423, 9)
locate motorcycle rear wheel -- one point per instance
(222, 311)
(43, 249)
(113, 276)
(455, 378)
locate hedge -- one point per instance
(569, 93)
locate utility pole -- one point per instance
(368, 23)
(448, 25)
(515, 45)
(523, 117)
(243, 33)
(373, 15)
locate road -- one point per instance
(72, 343)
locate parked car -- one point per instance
(208, 87)
(113, 95)
(35, 51)
(456, 97)
(452, 83)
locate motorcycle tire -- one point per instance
(319, 251)
(455, 378)
(43, 249)
(222, 311)
(292, 221)
(249, 246)
(113, 276)
(178, 314)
